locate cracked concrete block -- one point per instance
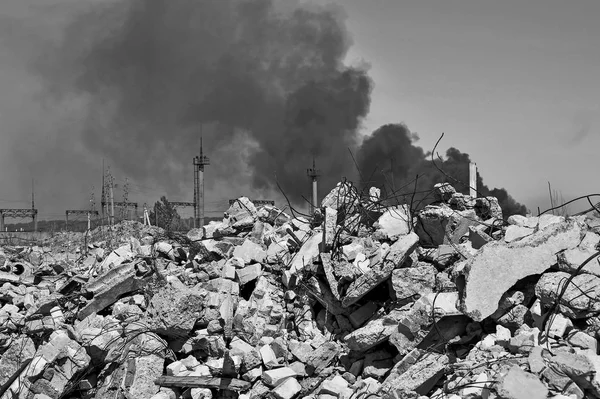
(498, 266)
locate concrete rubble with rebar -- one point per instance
(363, 300)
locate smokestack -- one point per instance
(314, 174)
(473, 179)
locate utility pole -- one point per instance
(314, 174)
(199, 163)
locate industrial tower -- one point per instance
(199, 163)
(314, 174)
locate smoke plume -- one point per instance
(389, 159)
(264, 81)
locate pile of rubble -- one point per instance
(360, 301)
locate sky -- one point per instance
(514, 84)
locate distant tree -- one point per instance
(165, 215)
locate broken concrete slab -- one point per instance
(397, 254)
(109, 287)
(518, 384)
(241, 214)
(438, 225)
(374, 332)
(250, 252)
(308, 251)
(515, 233)
(329, 228)
(407, 282)
(498, 266)
(416, 374)
(249, 273)
(572, 303)
(173, 312)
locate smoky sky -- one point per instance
(263, 81)
(391, 159)
(137, 82)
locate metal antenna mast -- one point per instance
(199, 163)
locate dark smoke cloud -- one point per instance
(389, 159)
(264, 79)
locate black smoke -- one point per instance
(389, 159)
(265, 81)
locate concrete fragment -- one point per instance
(498, 266)
(331, 280)
(18, 354)
(570, 260)
(397, 254)
(407, 282)
(268, 356)
(442, 192)
(250, 252)
(276, 376)
(287, 389)
(308, 251)
(241, 214)
(438, 225)
(572, 303)
(249, 273)
(514, 233)
(322, 357)
(558, 325)
(342, 196)
(173, 312)
(329, 228)
(110, 286)
(415, 374)
(374, 332)
(478, 238)
(518, 384)
(362, 314)
(393, 223)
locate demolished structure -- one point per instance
(363, 300)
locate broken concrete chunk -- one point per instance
(321, 357)
(374, 332)
(518, 384)
(414, 376)
(343, 196)
(249, 273)
(438, 225)
(276, 376)
(287, 389)
(308, 251)
(241, 214)
(329, 228)
(442, 192)
(362, 314)
(397, 254)
(18, 354)
(393, 223)
(514, 233)
(173, 312)
(407, 282)
(250, 252)
(572, 303)
(498, 266)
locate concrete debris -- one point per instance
(362, 300)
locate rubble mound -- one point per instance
(362, 301)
